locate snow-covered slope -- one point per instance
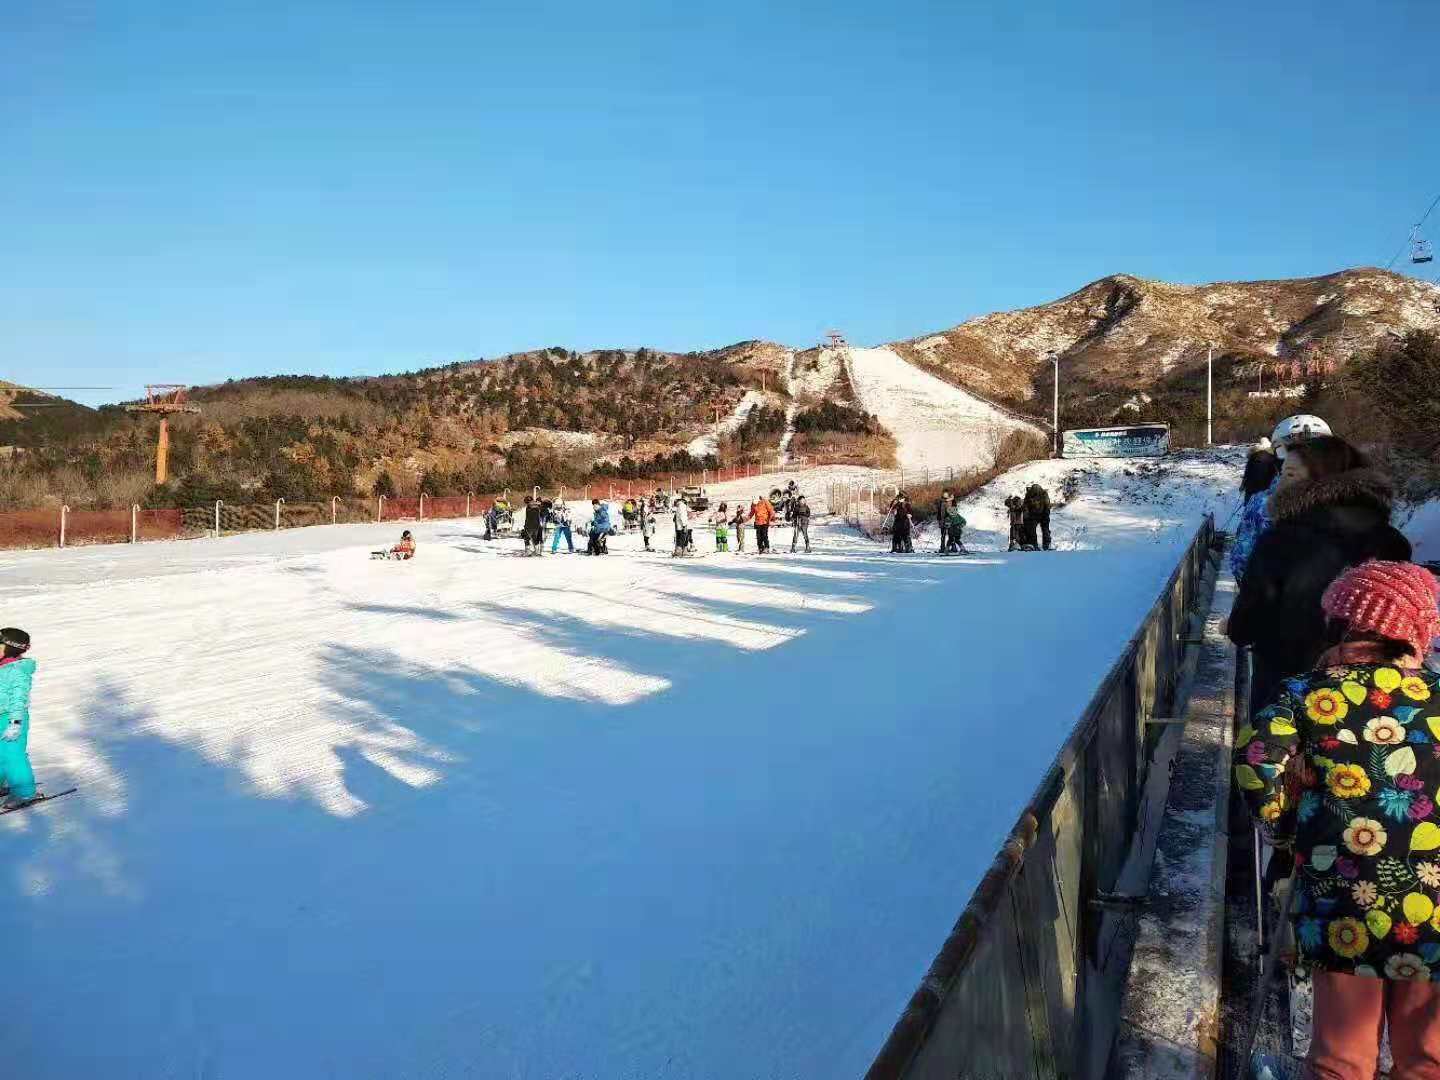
(708, 444)
(481, 815)
(935, 425)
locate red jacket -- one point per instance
(763, 512)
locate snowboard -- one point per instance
(37, 800)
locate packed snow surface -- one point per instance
(481, 815)
(935, 425)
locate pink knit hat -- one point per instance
(1393, 599)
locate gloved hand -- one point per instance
(11, 732)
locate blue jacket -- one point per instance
(601, 521)
(1254, 520)
(15, 681)
(15, 771)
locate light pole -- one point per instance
(1055, 424)
(1210, 396)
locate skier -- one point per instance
(1037, 513)
(645, 516)
(942, 519)
(492, 521)
(628, 512)
(1015, 510)
(17, 779)
(599, 528)
(680, 513)
(532, 532)
(721, 518)
(762, 513)
(955, 532)
(801, 515)
(739, 522)
(900, 542)
(560, 517)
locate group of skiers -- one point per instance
(639, 514)
(1029, 517)
(1339, 755)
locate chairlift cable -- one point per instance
(1396, 257)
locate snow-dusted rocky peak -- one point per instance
(1128, 333)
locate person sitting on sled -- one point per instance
(405, 549)
(17, 779)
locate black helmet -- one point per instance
(405, 535)
(14, 638)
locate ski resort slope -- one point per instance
(935, 425)
(707, 445)
(488, 816)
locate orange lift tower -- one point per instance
(164, 399)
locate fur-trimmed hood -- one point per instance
(1357, 487)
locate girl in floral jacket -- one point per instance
(1344, 767)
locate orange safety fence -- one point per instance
(399, 509)
(30, 528)
(448, 506)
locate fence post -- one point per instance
(467, 504)
(218, 504)
(64, 512)
(278, 504)
(134, 522)
(535, 492)
(422, 506)
(334, 509)
(380, 508)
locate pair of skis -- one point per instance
(36, 801)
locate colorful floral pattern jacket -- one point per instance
(1345, 766)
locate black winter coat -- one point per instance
(533, 519)
(1261, 468)
(1320, 528)
(1037, 504)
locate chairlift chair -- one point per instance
(1420, 249)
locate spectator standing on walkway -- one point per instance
(1330, 511)
(1255, 512)
(1342, 766)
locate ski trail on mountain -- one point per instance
(790, 409)
(934, 424)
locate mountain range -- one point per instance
(1127, 349)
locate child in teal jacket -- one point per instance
(17, 780)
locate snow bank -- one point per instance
(935, 425)
(491, 816)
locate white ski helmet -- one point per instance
(1297, 428)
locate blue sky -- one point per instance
(190, 192)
